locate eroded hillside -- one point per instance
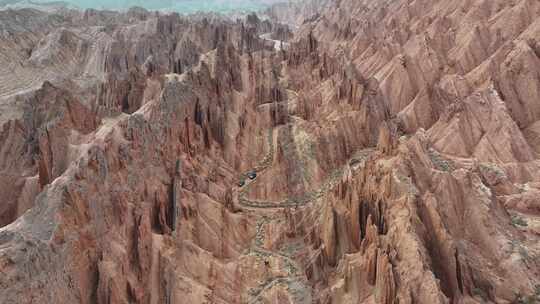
(374, 152)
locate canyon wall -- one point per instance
(381, 152)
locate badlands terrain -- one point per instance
(325, 151)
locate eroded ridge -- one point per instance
(291, 273)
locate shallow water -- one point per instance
(181, 6)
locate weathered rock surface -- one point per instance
(395, 145)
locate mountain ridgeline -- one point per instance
(318, 151)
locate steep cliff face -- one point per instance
(73, 76)
(375, 152)
(458, 132)
(114, 196)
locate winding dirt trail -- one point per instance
(291, 275)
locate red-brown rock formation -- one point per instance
(384, 152)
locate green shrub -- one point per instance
(480, 293)
(518, 221)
